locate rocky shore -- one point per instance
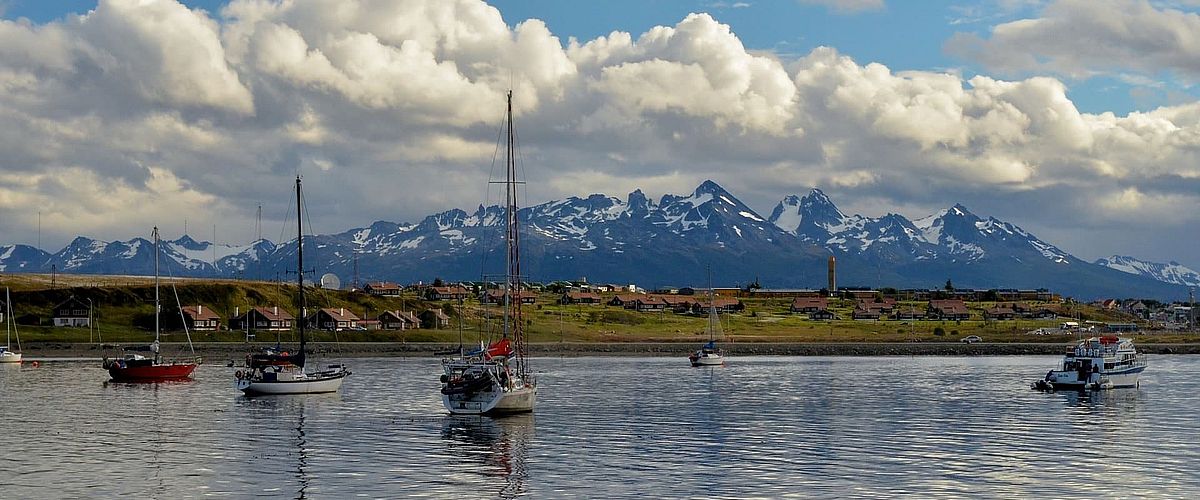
(221, 351)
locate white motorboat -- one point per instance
(277, 372)
(10, 326)
(496, 379)
(1104, 362)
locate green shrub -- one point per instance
(939, 331)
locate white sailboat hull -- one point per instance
(10, 357)
(494, 401)
(710, 360)
(305, 384)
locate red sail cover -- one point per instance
(502, 347)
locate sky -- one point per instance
(1075, 119)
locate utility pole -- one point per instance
(1192, 311)
(258, 232)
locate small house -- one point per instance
(201, 319)
(72, 312)
(948, 310)
(721, 304)
(586, 298)
(625, 300)
(999, 313)
(821, 315)
(865, 314)
(382, 289)
(679, 304)
(452, 292)
(497, 297)
(649, 303)
(908, 313)
(882, 306)
(271, 319)
(334, 319)
(398, 320)
(809, 304)
(434, 318)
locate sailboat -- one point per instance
(276, 371)
(496, 379)
(138, 367)
(709, 354)
(10, 325)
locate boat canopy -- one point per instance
(274, 358)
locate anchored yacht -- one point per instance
(1104, 362)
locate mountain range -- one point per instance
(675, 240)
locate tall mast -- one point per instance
(7, 312)
(712, 307)
(157, 307)
(300, 266)
(512, 311)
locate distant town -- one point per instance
(431, 305)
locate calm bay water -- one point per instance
(611, 427)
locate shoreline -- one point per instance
(236, 351)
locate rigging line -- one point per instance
(10, 322)
(486, 243)
(519, 160)
(179, 306)
(286, 219)
(487, 234)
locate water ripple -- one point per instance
(763, 427)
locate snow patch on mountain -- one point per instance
(1171, 272)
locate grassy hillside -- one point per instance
(124, 313)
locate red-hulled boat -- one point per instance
(138, 368)
(135, 367)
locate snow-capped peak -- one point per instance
(1171, 272)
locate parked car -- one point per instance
(971, 339)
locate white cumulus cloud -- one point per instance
(390, 109)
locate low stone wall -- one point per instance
(220, 351)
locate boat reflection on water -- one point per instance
(147, 383)
(301, 472)
(280, 445)
(1122, 400)
(500, 443)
